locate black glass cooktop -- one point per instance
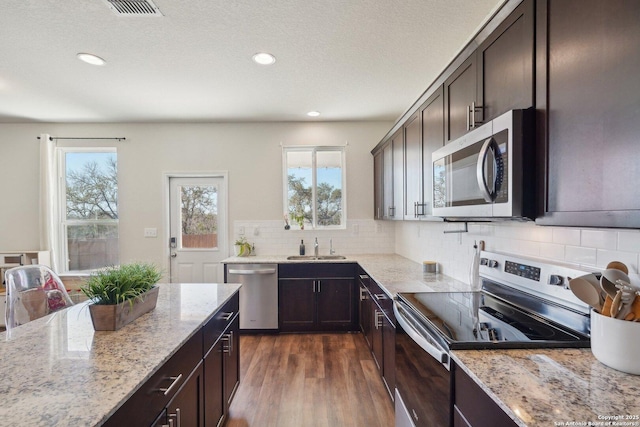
(473, 320)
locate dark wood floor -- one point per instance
(309, 380)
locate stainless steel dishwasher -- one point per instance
(258, 295)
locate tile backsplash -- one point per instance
(453, 251)
(421, 241)
(359, 237)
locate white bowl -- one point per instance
(616, 343)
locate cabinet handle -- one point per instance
(227, 316)
(319, 282)
(380, 296)
(376, 320)
(175, 382)
(228, 338)
(392, 211)
(468, 117)
(363, 294)
(363, 277)
(176, 416)
(474, 108)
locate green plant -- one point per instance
(114, 285)
(244, 247)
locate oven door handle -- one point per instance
(417, 336)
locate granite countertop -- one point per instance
(394, 273)
(554, 387)
(58, 371)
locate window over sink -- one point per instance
(314, 187)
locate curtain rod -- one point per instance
(51, 138)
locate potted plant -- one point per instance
(121, 294)
(243, 248)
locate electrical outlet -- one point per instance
(256, 231)
(150, 232)
(241, 230)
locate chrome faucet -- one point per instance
(315, 248)
(331, 250)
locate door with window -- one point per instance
(198, 225)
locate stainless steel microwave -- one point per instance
(489, 172)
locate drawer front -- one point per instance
(220, 321)
(144, 406)
(318, 270)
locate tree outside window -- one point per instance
(90, 224)
(314, 186)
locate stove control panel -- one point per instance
(522, 270)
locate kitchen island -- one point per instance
(58, 371)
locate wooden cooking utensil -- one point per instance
(617, 265)
(606, 307)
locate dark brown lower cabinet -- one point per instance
(186, 407)
(214, 407)
(472, 407)
(376, 312)
(196, 385)
(317, 297)
(222, 374)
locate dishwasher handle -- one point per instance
(419, 336)
(252, 272)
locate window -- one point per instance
(88, 208)
(314, 186)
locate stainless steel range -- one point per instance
(524, 303)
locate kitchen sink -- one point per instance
(314, 258)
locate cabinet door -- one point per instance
(432, 117)
(472, 406)
(389, 356)
(214, 400)
(588, 63)
(505, 64)
(387, 181)
(398, 175)
(413, 207)
(231, 362)
(336, 304)
(378, 186)
(459, 95)
(377, 350)
(296, 303)
(186, 407)
(365, 314)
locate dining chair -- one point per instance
(33, 291)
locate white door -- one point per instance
(198, 238)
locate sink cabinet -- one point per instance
(317, 297)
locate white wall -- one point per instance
(587, 247)
(250, 152)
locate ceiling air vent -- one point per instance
(133, 7)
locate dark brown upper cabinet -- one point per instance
(588, 112)
(505, 65)
(495, 78)
(459, 98)
(413, 201)
(432, 118)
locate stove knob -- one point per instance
(492, 263)
(556, 280)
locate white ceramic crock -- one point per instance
(616, 343)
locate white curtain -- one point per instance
(49, 213)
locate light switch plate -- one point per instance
(150, 232)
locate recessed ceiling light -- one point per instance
(313, 113)
(91, 59)
(264, 58)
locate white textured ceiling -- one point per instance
(348, 59)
